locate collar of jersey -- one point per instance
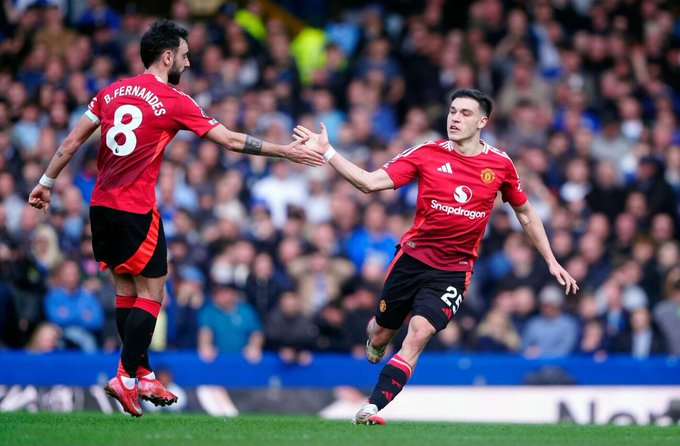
(157, 78)
(484, 150)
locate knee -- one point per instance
(419, 333)
(151, 288)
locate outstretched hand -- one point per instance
(40, 197)
(564, 278)
(315, 141)
(298, 152)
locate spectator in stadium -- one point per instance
(496, 333)
(606, 193)
(9, 319)
(432, 268)
(324, 109)
(46, 338)
(20, 271)
(644, 338)
(593, 340)
(552, 333)
(229, 324)
(667, 316)
(280, 189)
(289, 332)
(98, 13)
(609, 145)
(371, 239)
(526, 127)
(73, 308)
(11, 200)
(227, 204)
(129, 154)
(54, 34)
(317, 206)
(45, 248)
(525, 267)
(668, 258)
(644, 269)
(650, 181)
(522, 85)
(319, 278)
(625, 229)
(672, 171)
(611, 310)
(523, 307)
(592, 249)
(188, 297)
(264, 285)
(333, 332)
(359, 306)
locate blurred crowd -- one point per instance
(269, 255)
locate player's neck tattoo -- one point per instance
(253, 146)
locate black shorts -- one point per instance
(414, 287)
(129, 243)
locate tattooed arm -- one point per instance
(240, 142)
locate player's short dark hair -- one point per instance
(162, 35)
(485, 102)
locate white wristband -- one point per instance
(46, 181)
(330, 153)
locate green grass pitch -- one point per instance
(89, 428)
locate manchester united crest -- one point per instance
(383, 305)
(488, 176)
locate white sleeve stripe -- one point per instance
(92, 117)
(413, 149)
(498, 152)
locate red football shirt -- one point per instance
(139, 116)
(456, 194)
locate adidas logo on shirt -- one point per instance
(446, 168)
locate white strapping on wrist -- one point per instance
(46, 181)
(330, 153)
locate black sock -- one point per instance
(121, 318)
(139, 328)
(124, 305)
(392, 379)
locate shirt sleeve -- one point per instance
(511, 189)
(404, 167)
(189, 116)
(94, 111)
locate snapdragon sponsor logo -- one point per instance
(457, 210)
(462, 194)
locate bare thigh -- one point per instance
(150, 287)
(125, 284)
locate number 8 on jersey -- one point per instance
(125, 129)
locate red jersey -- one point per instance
(456, 194)
(139, 116)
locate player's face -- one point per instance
(465, 120)
(179, 64)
